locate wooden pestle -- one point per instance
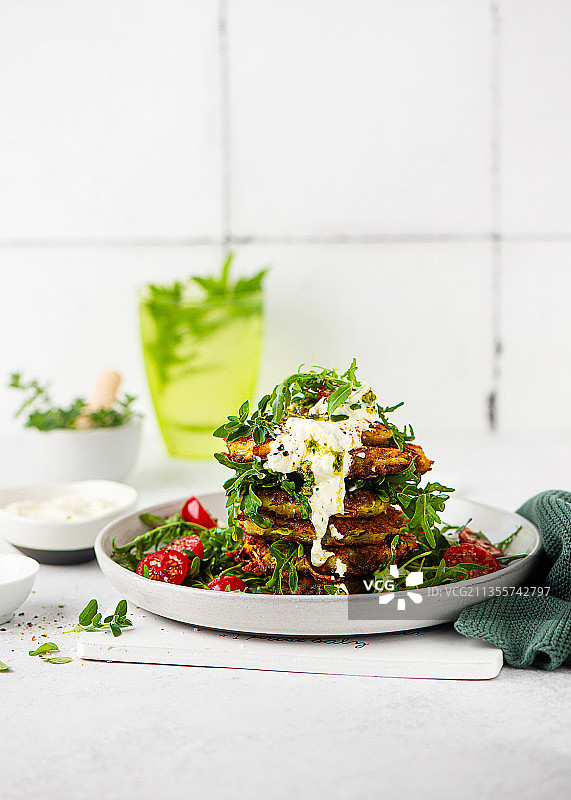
(103, 396)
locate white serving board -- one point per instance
(433, 653)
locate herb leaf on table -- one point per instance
(90, 619)
(47, 647)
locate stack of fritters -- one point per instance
(359, 539)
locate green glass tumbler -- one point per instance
(202, 359)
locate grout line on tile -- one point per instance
(224, 71)
(497, 342)
(366, 238)
(524, 238)
(198, 241)
(341, 239)
(496, 143)
(496, 198)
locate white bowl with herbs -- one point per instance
(83, 440)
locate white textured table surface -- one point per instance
(102, 730)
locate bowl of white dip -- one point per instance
(57, 523)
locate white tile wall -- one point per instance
(67, 313)
(536, 116)
(394, 306)
(366, 111)
(397, 128)
(396, 312)
(109, 122)
(535, 387)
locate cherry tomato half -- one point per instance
(227, 583)
(194, 511)
(469, 537)
(167, 566)
(153, 563)
(471, 554)
(192, 543)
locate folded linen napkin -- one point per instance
(534, 630)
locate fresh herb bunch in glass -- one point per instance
(202, 341)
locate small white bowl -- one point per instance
(17, 576)
(70, 455)
(68, 541)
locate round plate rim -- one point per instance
(184, 591)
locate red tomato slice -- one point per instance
(194, 511)
(153, 563)
(469, 537)
(193, 543)
(233, 583)
(471, 554)
(167, 566)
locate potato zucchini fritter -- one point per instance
(359, 503)
(366, 461)
(358, 560)
(341, 530)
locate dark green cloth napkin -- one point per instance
(534, 631)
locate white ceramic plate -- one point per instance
(329, 615)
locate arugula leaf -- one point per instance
(4, 667)
(400, 437)
(286, 555)
(508, 540)
(338, 397)
(58, 660)
(295, 394)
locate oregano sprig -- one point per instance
(90, 619)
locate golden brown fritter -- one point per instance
(423, 463)
(358, 559)
(377, 435)
(376, 462)
(243, 450)
(367, 461)
(360, 503)
(341, 530)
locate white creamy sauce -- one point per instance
(65, 508)
(320, 450)
(340, 568)
(334, 532)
